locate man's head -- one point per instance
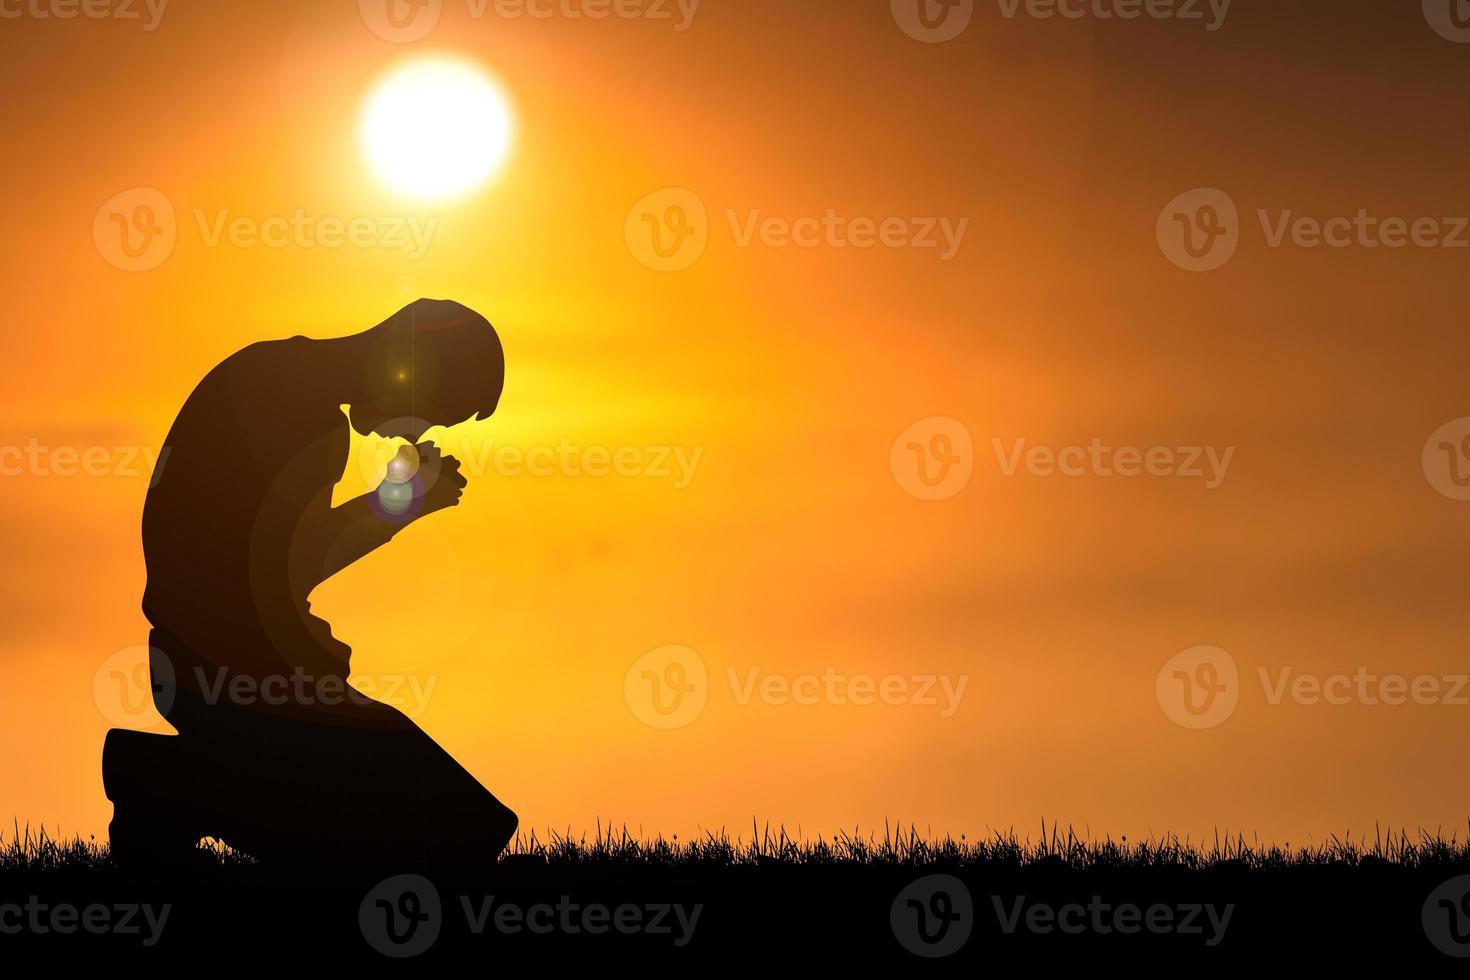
(434, 362)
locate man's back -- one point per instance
(252, 458)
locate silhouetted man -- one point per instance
(275, 754)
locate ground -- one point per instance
(890, 898)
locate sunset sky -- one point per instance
(762, 516)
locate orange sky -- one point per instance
(784, 375)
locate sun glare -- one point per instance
(436, 129)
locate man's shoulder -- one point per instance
(284, 348)
(267, 380)
(261, 360)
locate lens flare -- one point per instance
(403, 465)
(395, 498)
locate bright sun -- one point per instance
(436, 129)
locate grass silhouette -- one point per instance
(1348, 899)
(28, 850)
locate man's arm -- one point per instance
(361, 526)
(354, 530)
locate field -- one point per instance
(891, 897)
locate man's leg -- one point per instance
(353, 792)
(362, 792)
(415, 807)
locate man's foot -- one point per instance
(141, 776)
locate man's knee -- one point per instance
(501, 823)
